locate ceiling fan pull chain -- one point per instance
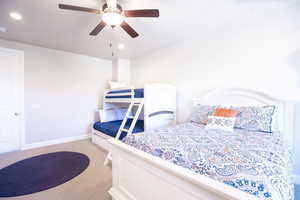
(112, 50)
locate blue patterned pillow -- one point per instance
(255, 118)
(201, 112)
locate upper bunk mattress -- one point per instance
(254, 162)
(138, 93)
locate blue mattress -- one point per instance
(111, 128)
(138, 93)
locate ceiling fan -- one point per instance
(113, 15)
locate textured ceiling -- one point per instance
(45, 25)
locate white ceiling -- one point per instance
(45, 25)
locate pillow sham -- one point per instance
(200, 113)
(255, 118)
(221, 123)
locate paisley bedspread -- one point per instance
(254, 162)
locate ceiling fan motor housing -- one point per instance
(118, 9)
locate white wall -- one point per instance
(261, 53)
(121, 70)
(115, 75)
(259, 50)
(62, 91)
(196, 66)
(124, 70)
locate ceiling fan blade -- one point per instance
(78, 8)
(98, 28)
(142, 13)
(129, 30)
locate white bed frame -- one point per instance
(157, 98)
(141, 176)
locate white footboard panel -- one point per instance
(141, 176)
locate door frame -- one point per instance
(20, 110)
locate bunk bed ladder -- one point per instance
(134, 118)
(132, 125)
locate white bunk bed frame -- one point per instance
(140, 176)
(157, 109)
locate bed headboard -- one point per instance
(246, 97)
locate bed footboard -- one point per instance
(141, 176)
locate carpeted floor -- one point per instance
(92, 184)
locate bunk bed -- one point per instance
(129, 111)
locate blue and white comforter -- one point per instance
(254, 162)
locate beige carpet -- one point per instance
(92, 184)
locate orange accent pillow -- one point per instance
(223, 112)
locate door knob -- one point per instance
(17, 114)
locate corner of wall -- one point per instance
(121, 70)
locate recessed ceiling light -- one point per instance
(121, 46)
(2, 29)
(15, 16)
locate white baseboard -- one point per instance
(297, 179)
(56, 141)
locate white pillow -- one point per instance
(115, 85)
(221, 123)
(112, 115)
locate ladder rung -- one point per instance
(130, 117)
(125, 130)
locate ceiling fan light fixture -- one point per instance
(112, 18)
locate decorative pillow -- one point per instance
(224, 112)
(255, 118)
(201, 112)
(221, 123)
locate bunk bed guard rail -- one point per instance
(125, 93)
(164, 112)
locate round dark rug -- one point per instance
(41, 173)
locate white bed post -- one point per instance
(159, 98)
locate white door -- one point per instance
(11, 100)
